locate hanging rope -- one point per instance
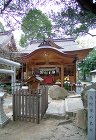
(47, 69)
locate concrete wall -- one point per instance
(94, 77)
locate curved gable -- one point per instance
(50, 56)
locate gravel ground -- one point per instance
(48, 129)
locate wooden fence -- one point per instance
(30, 105)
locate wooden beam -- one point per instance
(43, 60)
(44, 66)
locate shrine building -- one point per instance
(54, 58)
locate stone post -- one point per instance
(91, 114)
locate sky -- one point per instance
(88, 41)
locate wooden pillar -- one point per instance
(22, 73)
(75, 71)
(32, 69)
(62, 76)
(26, 71)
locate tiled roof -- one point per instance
(5, 37)
(63, 45)
(94, 71)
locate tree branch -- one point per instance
(90, 34)
(6, 5)
(82, 33)
(87, 5)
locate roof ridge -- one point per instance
(51, 39)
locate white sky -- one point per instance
(88, 41)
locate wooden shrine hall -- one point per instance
(54, 58)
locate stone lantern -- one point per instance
(79, 87)
(3, 118)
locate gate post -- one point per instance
(91, 114)
(37, 107)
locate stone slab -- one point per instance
(56, 107)
(73, 104)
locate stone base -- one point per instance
(72, 92)
(4, 122)
(56, 116)
(81, 119)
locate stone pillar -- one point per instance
(62, 76)
(91, 114)
(13, 78)
(3, 118)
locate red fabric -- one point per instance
(48, 80)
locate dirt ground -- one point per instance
(48, 129)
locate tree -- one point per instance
(88, 64)
(84, 4)
(1, 27)
(74, 22)
(13, 11)
(35, 25)
(5, 4)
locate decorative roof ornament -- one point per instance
(44, 43)
(50, 38)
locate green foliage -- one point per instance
(84, 95)
(9, 87)
(88, 64)
(74, 22)
(66, 86)
(23, 41)
(1, 27)
(35, 25)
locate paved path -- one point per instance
(70, 104)
(56, 107)
(8, 101)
